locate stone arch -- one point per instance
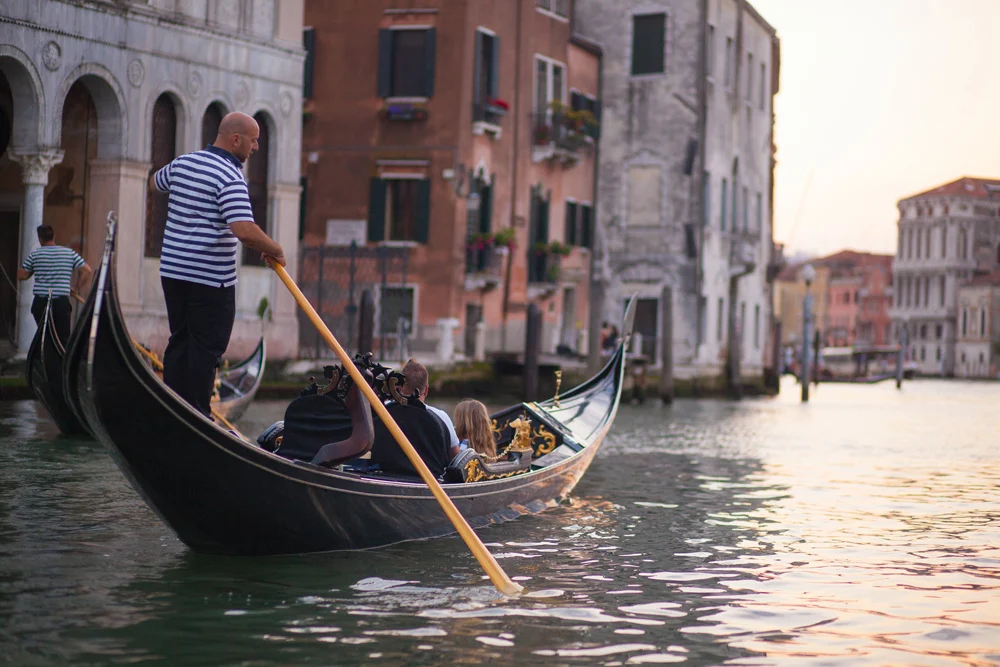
(260, 175)
(109, 100)
(180, 110)
(211, 116)
(274, 166)
(28, 96)
(165, 137)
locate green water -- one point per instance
(861, 529)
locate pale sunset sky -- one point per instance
(878, 100)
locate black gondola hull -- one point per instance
(44, 372)
(222, 495)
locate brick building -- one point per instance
(434, 134)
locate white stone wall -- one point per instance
(244, 54)
(644, 197)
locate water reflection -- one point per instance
(756, 533)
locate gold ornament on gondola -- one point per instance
(555, 399)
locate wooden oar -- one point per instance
(158, 365)
(478, 549)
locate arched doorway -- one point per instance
(67, 192)
(210, 122)
(258, 175)
(10, 219)
(164, 149)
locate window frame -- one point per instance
(551, 10)
(392, 97)
(550, 65)
(664, 56)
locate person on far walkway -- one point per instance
(56, 268)
(208, 213)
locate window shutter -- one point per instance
(486, 208)
(648, 35)
(570, 223)
(423, 210)
(543, 219)
(576, 101)
(587, 226)
(309, 43)
(376, 211)
(495, 83)
(596, 109)
(476, 82)
(429, 61)
(384, 63)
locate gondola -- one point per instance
(223, 495)
(44, 372)
(237, 385)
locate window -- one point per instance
(395, 309)
(719, 319)
(538, 232)
(942, 289)
(570, 223)
(549, 85)
(962, 244)
(749, 78)
(923, 332)
(399, 209)
(920, 240)
(406, 62)
(746, 209)
(258, 180)
(937, 332)
(965, 321)
(722, 217)
(706, 198)
(938, 356)
(557, 7)
(982, 323)
(648, 43)
(486, 74)
(927, 247)
(582, 102)
(164, 150)
(763, 84)
(703, 319)
(743, 318)
(728, 65)
(734, 226)
(710, 52)
(756, 326)
(923, 353)
(308, 66)
(944, 241)
(586, 235)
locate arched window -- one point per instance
(257, 182)
(164, 150)
(210, 123)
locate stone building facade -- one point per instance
(686, 175)
(448, 125)
(946, 236)
(977, 343)
(95, 94)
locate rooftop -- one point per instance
(967, 186)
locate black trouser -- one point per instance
(201, 322)
(60, 314)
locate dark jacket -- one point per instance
(426, 432)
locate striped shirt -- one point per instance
(207, 194)
(52, 267)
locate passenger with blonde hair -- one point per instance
(472, 424)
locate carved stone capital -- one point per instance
(35, 166)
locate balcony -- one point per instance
(403, 111)
(545, 269)
(487, 118)
(743, 251)
(484, 266)
(562, 135)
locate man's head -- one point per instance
(416, 379)
(238, 134)
(45, 233)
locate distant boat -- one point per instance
(221, 494)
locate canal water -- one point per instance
(860, 529)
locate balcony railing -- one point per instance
(561, 135)
(484, 266)
(544, 267)
(491, 113)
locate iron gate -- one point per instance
(333, 278)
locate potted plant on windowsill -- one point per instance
(408, 111)
(497, 107)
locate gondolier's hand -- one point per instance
(278, 259)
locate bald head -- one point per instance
(238, 134)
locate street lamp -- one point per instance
(808, 274)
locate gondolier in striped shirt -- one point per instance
(57, 270)
(208, 211)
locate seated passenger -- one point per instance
(425, 430)
(472, 424)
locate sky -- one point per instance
(878, 100)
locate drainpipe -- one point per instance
(513, 174)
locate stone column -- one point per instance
(35, 169)
(119, 186)
(283, 335)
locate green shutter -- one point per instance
(570, 223)
(384, 63)
(309, 44)
(376, 211)
(495, 83)
(486, 208)
(587, 226)
(423, 210)
(429, 62)
(543, 219)
(477, 66)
